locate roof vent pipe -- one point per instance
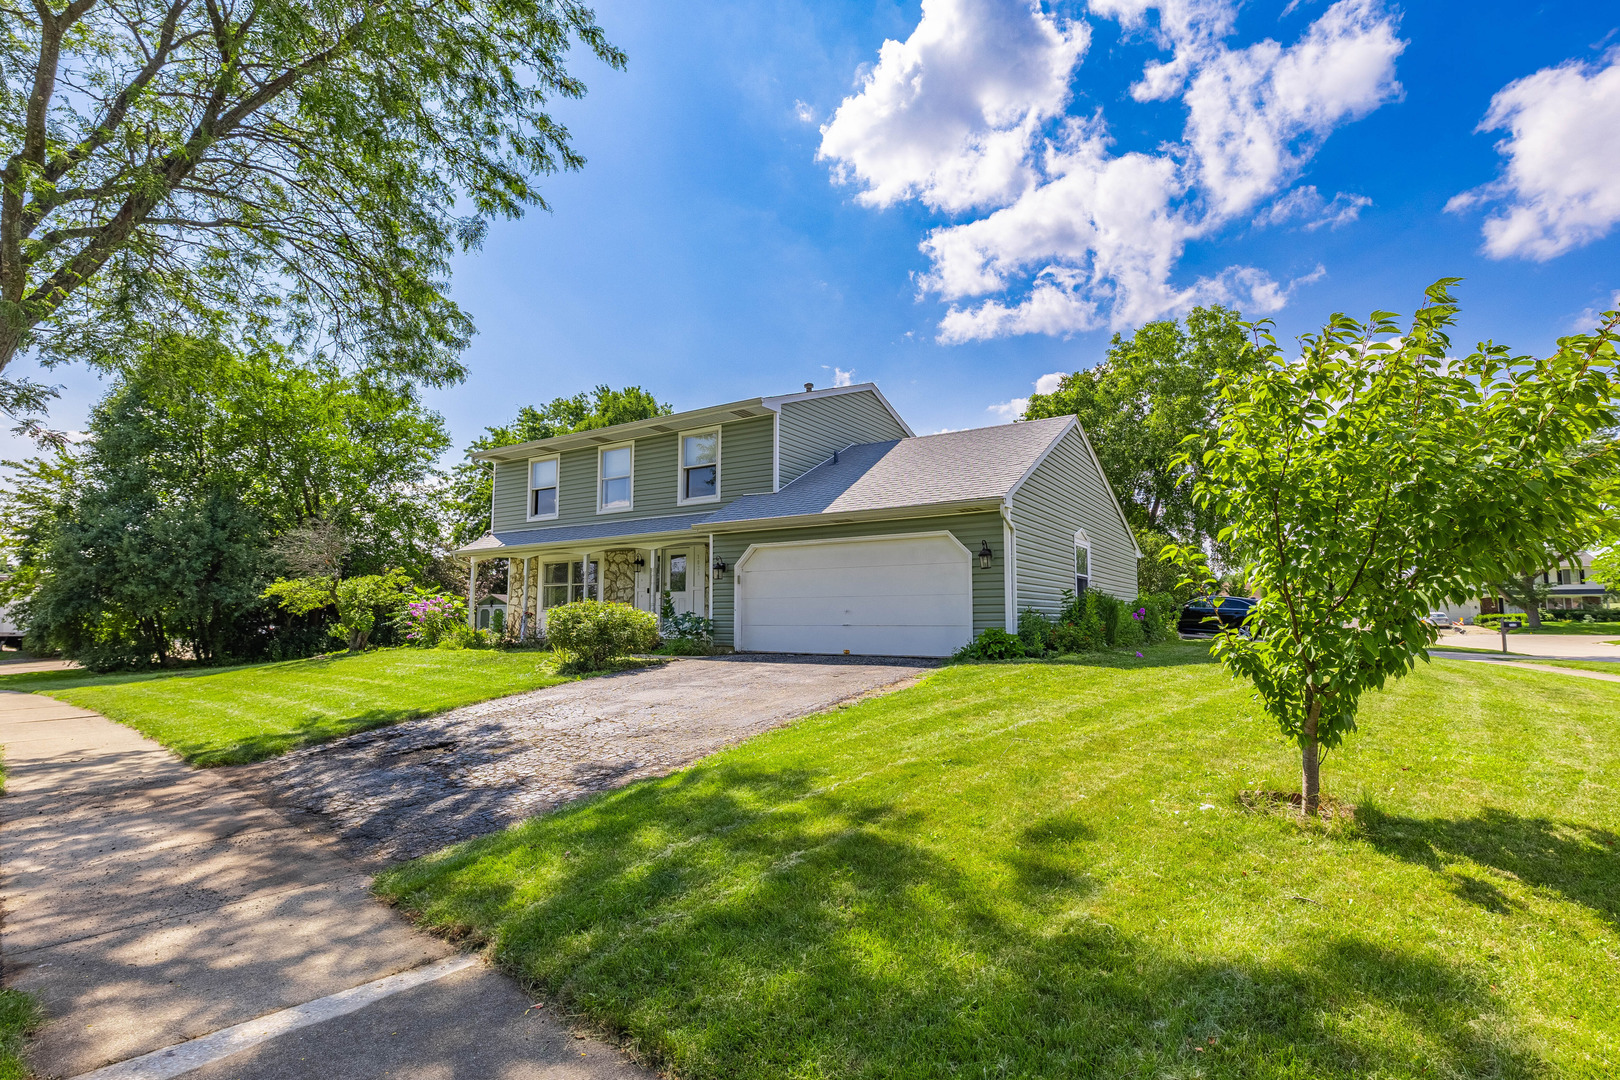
(835, 457)
(809, 386)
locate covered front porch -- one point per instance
(638, 574)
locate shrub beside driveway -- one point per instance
(237, 715)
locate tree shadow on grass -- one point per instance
(308, 731)
(750, 923)
(1580, 862)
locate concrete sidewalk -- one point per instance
(148, 904)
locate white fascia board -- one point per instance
(1075, 425)
(898, 513)
(707, 416)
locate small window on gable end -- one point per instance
(543, 488)
(1082, 563)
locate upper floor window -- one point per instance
(614, 469)
(543, 488)
(700, 466)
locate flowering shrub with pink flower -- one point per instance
(429, 620)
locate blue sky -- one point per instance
(1065, 189)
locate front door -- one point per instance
(686, 580)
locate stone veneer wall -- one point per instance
(619, 576)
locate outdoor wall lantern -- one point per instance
(985, 555)
(640, 562)
(719, 568)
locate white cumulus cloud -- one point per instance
(971, 114)
(1560, 185)
(949, 115)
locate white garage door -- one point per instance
(896, 596)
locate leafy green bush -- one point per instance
(356, 600)
(462, 636)
(993, 643)
(1035, 631)
(592, 632)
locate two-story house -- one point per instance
(815, 522)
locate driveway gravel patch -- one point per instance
(403, 791)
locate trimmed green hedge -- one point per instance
(592, 632)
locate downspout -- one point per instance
(1009, 567)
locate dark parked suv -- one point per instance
(1205, 616)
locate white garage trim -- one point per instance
(925, 616)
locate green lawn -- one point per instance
(1609, 667)
(237, 715)
(1028, 870)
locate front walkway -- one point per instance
(148, 904)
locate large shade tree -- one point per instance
(1374, 475)
(160, 530)
(1149, 393)
(302, 166)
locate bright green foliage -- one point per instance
(304, 169)
(1086, 624)
(593, 632)
(19, 1014)
(994, 643)
(472, 481)
(1376, 476)
(153, 537)
(234, 715)
(1039, 871)
(124, 561)
(357, 601)
(1148, 394)
(1605, 570)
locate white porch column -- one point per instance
(472, 592)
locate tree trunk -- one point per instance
(1532, 610)
(1310, 790)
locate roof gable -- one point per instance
(978, 465)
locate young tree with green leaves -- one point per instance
(305, 165)
(356, 600)
(1375, 475)
(1150, 392)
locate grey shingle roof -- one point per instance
(596, 530)
(957, 466)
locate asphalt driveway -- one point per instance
(402, 791)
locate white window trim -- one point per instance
(1083, 543)
(631, 505)
(528, 486)
(680, 465)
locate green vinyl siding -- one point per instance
(1066, 492)
(989, 597)
(745, 469)
(813, 428)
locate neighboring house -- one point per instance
(812, 523)
(1569, 589)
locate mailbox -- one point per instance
(1511, 624)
